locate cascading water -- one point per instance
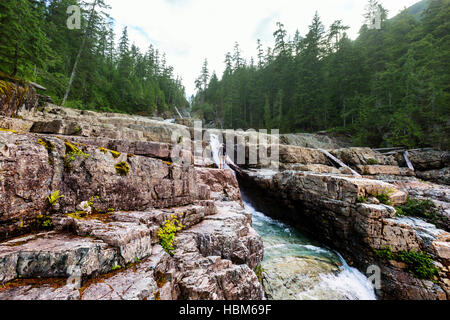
(215, 149)
(296, 268)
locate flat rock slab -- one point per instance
(54, 255)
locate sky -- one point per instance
(189, 31)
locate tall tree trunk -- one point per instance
(74, 70)
(16, 58)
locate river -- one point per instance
(297, 268)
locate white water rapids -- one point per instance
(296, 268)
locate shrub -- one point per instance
(385, 254)
(167, 233)
(383, 196)
(417, 208)
(419, 264)
(372, 161)
(426, 210)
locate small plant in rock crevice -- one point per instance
(168, 232)
(384, 196)
(122, 168)
(259, 271)
(362, 199)
(43, 222)
(54, 198)
(72, 152)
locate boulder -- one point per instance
(363, 156)
(221, 182)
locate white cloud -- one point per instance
(189, 31)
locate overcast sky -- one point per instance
(189, 31)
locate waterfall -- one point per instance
(215, 150)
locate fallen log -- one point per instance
(339, 162)
(408, 162)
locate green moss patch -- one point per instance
(73, 152)
(7, 130)
(115, 154)
(46, 144)
(122, 168)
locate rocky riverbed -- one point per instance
(118, 188)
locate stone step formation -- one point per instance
(119, 187)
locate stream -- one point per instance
(297, 268)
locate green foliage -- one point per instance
(424, 209)
(72, 152)
(122, 168)
(43, 222)
(168, 232)
(116, 267)
(385, 254)
(23, 42)
(90, 203)
(35, 44)
(372, 162)
(383, 196)
(47, 144)
(54, 197)
(259, 271)
(417, 208)
(387, 87)
(362, 199)
(417, 263)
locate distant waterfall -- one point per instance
(216, 149)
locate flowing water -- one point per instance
(296, 268)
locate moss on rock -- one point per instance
(122, 168)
